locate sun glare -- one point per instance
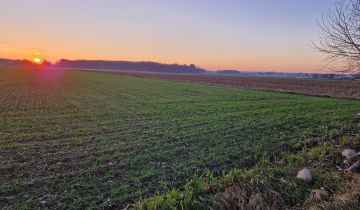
(36, 60)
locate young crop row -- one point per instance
(71, 139)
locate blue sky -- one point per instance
(243, 34)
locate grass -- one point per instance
(269, 185)
(71, 139)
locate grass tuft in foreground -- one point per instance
(272, 184)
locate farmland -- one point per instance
(327, 88)
(72, 139)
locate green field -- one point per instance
(82, 139)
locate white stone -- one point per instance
(348, 152)
(304, 175)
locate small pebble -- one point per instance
(304, 175)
(348, 152)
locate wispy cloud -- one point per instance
(48, 27)
(12, 48)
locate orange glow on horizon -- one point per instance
(36, 60)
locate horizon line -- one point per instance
(199, 67)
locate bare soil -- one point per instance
(328, 88)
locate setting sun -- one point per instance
(238, 104)
(36, 60)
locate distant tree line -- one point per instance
(129, 66)
(21, 63)
(325, 76)
(13, 63)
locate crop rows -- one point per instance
(82, 139)
(314, 87)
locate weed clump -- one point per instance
(269, 185)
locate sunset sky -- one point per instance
(259, 35)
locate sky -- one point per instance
(255, 35)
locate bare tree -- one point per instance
(340, 35)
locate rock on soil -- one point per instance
(348, 152)
(304, 175)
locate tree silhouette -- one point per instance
(340, 35)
